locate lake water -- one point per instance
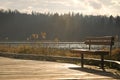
(60, 45)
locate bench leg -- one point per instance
(82, 60)
(102, 62)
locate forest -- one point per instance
(17, 26)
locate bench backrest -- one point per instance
(106, 40)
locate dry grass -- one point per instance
(116, 54)
(36, 50)
(51, 51)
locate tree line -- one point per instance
(16, 26)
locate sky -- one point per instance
(87, 7)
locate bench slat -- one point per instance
(100, 38)
(86, 51)
(100, 41)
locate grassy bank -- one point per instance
(52, 51)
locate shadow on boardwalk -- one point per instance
(97, 72)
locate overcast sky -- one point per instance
(94, 7)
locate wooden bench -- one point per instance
(106, 40)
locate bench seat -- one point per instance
(87, 51)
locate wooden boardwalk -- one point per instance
(16, 69)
